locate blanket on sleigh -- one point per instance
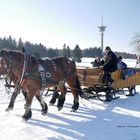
(125, 73)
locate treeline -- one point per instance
(126, 55)
(39, 50)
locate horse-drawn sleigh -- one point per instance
(93, 86)
(61, 70)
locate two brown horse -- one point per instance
(59, 70)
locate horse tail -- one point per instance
(78, 84)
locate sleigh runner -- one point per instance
(93, 86)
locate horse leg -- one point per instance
(28, 112)
(24, 92)
(54, 96)
(40, 99)
(76, 101)
(61, 98)
(42, 103)
(12, 100)
(76, 91)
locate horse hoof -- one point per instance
(51, 104)
(44, 113)
(27, 116)
(59, 108)
(73, 110)
(8, 109)
(44, 109)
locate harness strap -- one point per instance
(54, 65)
(42, 75)
(25, 63)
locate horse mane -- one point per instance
(17, 52)
(3, 51)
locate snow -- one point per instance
(94, 120)
(86, 62)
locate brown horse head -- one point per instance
(11, 59)
(14, 61)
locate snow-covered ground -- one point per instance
(95, 120)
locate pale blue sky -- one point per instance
(55, 22)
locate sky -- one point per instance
(57, 22)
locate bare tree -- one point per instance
(136, 43)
